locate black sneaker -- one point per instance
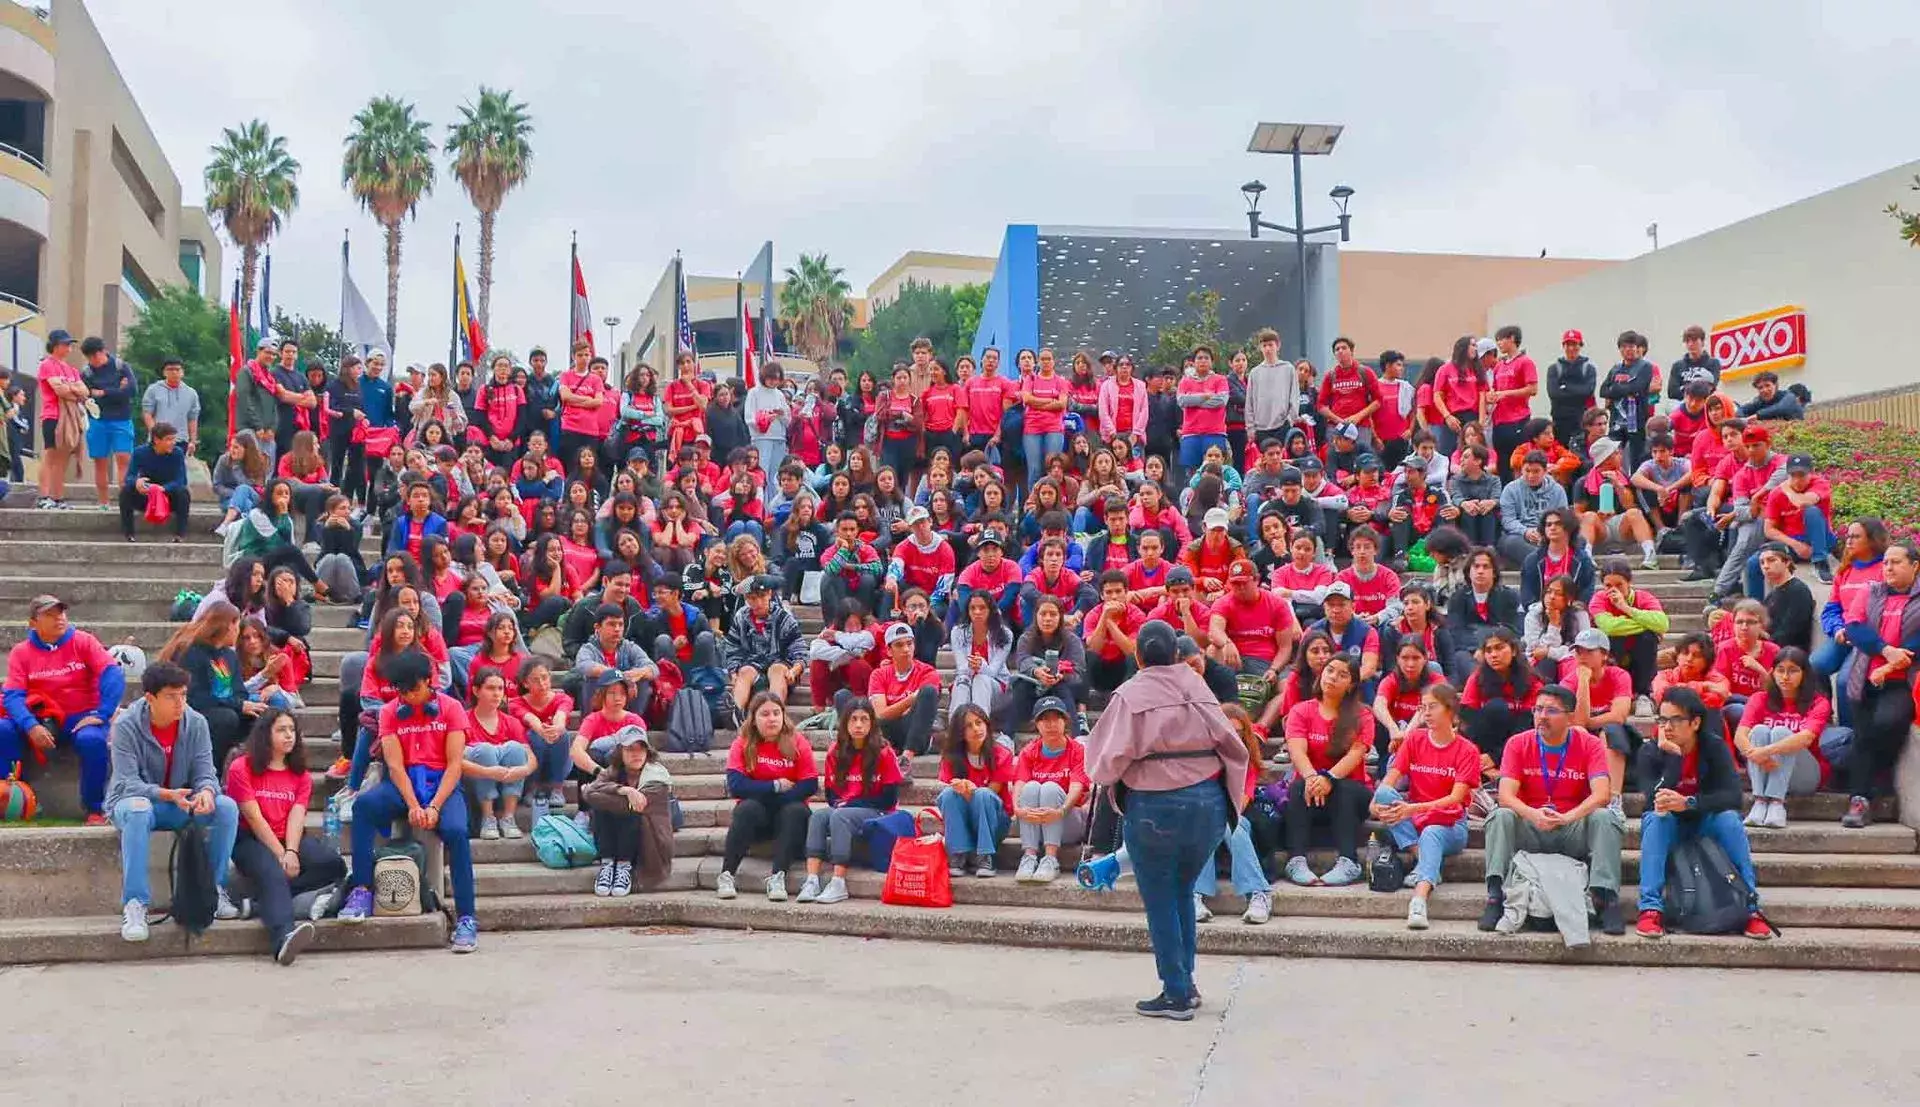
(1824, 569)
(1859, 814)
(1490, 914)
(1697, 574)
(297, 939)
(1161, 1007)
(1612, 921)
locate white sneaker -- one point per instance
(1259, 909)
(809, 889)
(1201, 912)
(224, 907)
(1047, 871)
(1650, 561)
(724, 888)
(133, 922)
(1776, 815)
(489, 829)
(1029, 864)
(510, 828)
(1417, 914)
(834, 892)
(1618, 805)
(47, 503)
(1757, 814)
(777, 887)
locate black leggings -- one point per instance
(1880, 724)
(347, 466)
(616, 835)
(133, 503)
(292, 558)
(756, 820)
(320, 865)
(1345, 811)
(1492, 723)
(1639, 655)
(227, 728)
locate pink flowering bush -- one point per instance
(1874, 468)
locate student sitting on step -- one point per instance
(1422, 799)
(1784, 737)
(763, 649)
(1693, 791)
(770, 777)
(270, 785)
(423, 735)
(498, 759)
(1050, 790)
(607, 715)
(57, 680)
(164, 778)
(903, 694)
(545, 711)
(629, 804)
(863, 779)
(977, 802)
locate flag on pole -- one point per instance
(266, 296)
(684, 324)
(747, 351)
(359, 326)
(582, 315)
(761, 270)
(473, 342)
(235, 355)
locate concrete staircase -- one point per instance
(1847, 899)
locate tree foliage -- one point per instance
(317, 340)
(919, 310)
(969, 301)
(253, 185)
(1909, 221)
(814, 307)
(388, 168)
(1177, 340)
(491, 152)
(179, 322)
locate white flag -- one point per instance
(360, 327)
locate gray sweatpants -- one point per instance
(1595, 839)
(1746, 539)
(831, 831)
(1068, 830)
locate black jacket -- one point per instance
(728, 428)
(1685, 371)
(1790, 614)
(1163, 422)
(1570, 386)
(1720, 781)
(1468, 628)
(1629, 392)
(200, 661)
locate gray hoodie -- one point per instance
(1522, 506)
(138, 765)
(1273, 396)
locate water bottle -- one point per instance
(1606, 497)
(331, 820)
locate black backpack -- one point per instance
(1705, 893)
(194, 897)
(690, 723)
(1386, 871)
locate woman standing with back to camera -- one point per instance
(1174, 763)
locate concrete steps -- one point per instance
(42, 940)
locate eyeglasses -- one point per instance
(1549, 709)
(1669, 720)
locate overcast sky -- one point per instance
(867, 129)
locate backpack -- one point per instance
(185, 603)
(1705, 893)
(398, 887)
(711, 682)
(689, 723)
(666, 688)
(561, 843)
(194, 898)
(1386, 872)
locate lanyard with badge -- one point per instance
(1550, 779)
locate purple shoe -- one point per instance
(359, 906)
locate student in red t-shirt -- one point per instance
(499, 759)
(606, 715)
(1110, 630)
(1050, 787)
(1554, 791)
(770, 777)
(1252, 630)
(977, 802)
(1398, 699)
(1423, 797)
(903, 694)
(543, 712)
(1202, 395)
(1782, 736)
(1603, 700)
(269, 782)
(1499, 695)
(1327, 742)
(423, 735)
(863, 778)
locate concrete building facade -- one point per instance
(93, 219)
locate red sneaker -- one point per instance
(95, 819)
(1651, 925)
(1758, 928)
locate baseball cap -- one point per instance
(632, 736)
(43, 604)
(1051, 704)
(1602, 449)
(1799, 463)
(1574, 337)
(1339, 588)
(1109, 355)
(1311, 464)
(917, 513)
(417, 368)
(1290, 475)
(1484, 346)
(1592, 638)
(1217, 519)
(899, 632)
(639, 453)
(1756, 434)
(1242, 569)
(1179, 574)
(1348, 431)
(1367, 461)
(762, 583)
(703, 440)
(1412, 461)
(989, 538)
(1185, 646)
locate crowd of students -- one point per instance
(1421, 590)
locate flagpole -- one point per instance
(573, 266)
(740, 342)
(266, 295)
(453, 329)
(344, 234)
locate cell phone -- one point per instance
(1053, 661)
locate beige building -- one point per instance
(93, 219)
(1420, 303)
(928, 268)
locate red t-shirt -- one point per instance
(939, 403)
(1295, 579)
(1251, 625)
(1388, 422)
(1748, 479)
(1164, 612)
(277, 791)
(1123, 411)
(423, 736)
(1345, 391)
(889, 683)
(1140, 577)
(1564, 777)
(857, 786)
(1066, 767)
(580, 420)
(1046, 388)
(167, 736)
(998, 769)
(679, 394)
(899, 407)
(1517, 373)
(1131, 620)
(922, 568)
(1203, 420)
(976, 577)
(560, 706)
(1432, 771)
(1456, 391)
(506, 729)
(1787, 516)
(1813, 720)
(597, 725)
(1741, 680)
(1371, 596)
(68, 675)
(1612, 683)
(1304, 720)
(1402, 697)
(986, 399)
(770, 763)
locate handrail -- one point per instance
(23, 156)
(20, 302)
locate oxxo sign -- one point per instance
(1774, 340)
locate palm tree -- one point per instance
(814, 307)
(388, 167)
(490, 155)
(252, 184)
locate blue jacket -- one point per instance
(1832, 619)
(435, 526)
(168, 470)
(376, 399)
(112, 685)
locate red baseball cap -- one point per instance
(1242, 569)
(1574, 337)
(1756, 434)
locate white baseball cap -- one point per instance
(1217, 519)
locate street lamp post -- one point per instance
(1299, 140)
(613, 341)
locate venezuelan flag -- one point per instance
(473, 341)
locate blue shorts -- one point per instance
(106, 437)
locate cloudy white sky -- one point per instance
(864, 129)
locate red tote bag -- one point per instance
(159, 508)
(917, 876)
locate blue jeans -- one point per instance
(1084, 521)
(1660, 831)
(1816, 534)
(1436, 842)
(747, 526)
(364, 742)
(1039, 447)
(90, 742)
(1169, 836)
(1193, 449)
(504, 755)
(138, 817)
(1248, 876)
(554, 758)
(974, 826)
(374, 813)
